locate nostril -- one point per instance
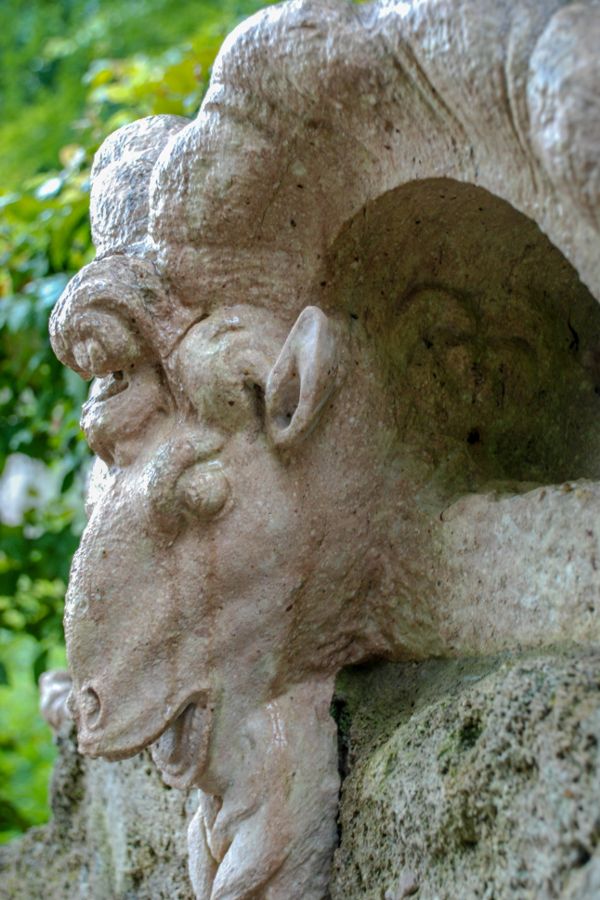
(90, 706)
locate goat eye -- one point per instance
(204, 489)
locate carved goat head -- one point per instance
(254, 530)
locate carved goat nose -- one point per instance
(89, 707)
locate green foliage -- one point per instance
(43, 236)
(71, 71)
(47, 47)
(26, 751)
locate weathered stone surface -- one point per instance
(465, 780)
(344, 335)
(471, 780)
(117, 833)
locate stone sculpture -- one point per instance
(341, 354)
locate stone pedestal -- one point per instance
(471, 779)
(462, 779)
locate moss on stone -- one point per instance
(472, 779)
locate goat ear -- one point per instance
(302, 379)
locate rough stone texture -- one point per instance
(117, 833)
(471, 780)
(465, 780)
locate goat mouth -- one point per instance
(181, 751)
(109, 386)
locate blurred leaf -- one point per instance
(40, 665)
(10, 817)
